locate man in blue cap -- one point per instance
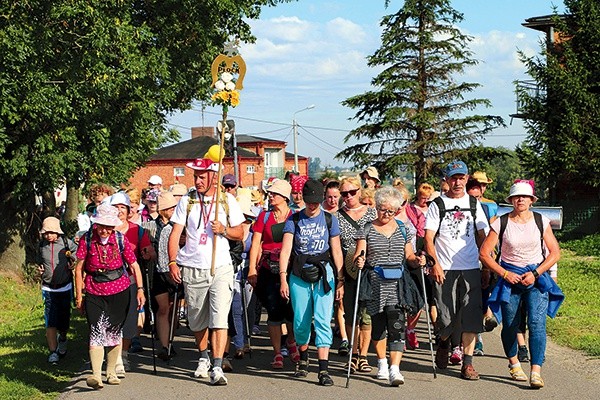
(455, 227)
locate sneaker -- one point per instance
(53, 358)
(478, 349)
(217, 377)
(284, 351)
(523, 354)
(203, 367)
(136, 346)
(163, 354)
(468, 372)
(256, 330)
(490, 323)
(301, 369)
(411, 339)
(344, 348)
(441, 357)
(227, 367)
(396, 378)
(62, 347)
(383, 372)
(536, 381)
(325, 379)
(456, 356)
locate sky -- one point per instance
(313, 52)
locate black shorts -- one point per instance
(57, 309)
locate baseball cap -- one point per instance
(456, 167)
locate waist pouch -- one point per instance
(106, 275)
(389, 271)
(310, 273)
(271, 262)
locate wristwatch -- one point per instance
(535, 273)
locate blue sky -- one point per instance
(314, 52)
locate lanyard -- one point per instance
(205, 216)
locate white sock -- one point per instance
(394, 368)
(382, 363)
(514, 365)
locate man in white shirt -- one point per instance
(454, 229)
(208, 297)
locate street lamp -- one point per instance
(295, 125)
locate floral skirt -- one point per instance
(106, 316)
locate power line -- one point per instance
(319, 139)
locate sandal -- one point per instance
(353, 365)
(536, 381)
(363, 365)
(277, 361)
(517, 374)
(293, 351)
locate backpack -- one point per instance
(400, 225)
(193, 200)
(442, 207)
(296, 219)
(537, 217)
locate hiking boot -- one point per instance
(478, 349)
(411, 339)
(490, 323)
(456, 356)
(53, 358)
(344, 348)
(203, 367)
(325, 379)
(468, 372)
(301, 369)
(217, 377)
(62, 347)
(396, 378)
(523, 354)
(441, 357)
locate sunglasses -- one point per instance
(229, 186)
(352, 192)
(388, 212)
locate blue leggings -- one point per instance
(310, 300)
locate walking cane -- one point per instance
(149, 305)
(362, 253)
(245, 306)
(174, 312)
(428, 321)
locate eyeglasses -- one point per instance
(388, 212)
(352, 192)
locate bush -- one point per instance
(587, 246)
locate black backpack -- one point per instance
(472, 208)
(538, 222)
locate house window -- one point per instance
(178, 171)
(250, 169)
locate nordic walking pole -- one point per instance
(362, 253)
(428, 321)
(149, 305)
(245, 306)
(172, 327)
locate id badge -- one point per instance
(203, 238)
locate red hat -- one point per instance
(298, 183)
(203, 164)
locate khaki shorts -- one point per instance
(208, 297)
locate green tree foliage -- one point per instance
(562, 149)
(86, 85)
(416, 115)
(314, 167)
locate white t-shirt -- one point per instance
(197, 252)
(521, 244)
(455, 245)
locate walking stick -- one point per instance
(245, 306)
(354, 322)
(218, 191)
(428, 322)
(149, 305)
(174, 312)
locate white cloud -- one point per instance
(345, 31)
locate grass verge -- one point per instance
(577, 324)
(24, 370)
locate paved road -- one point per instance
(567, 374)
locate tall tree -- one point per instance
(87, 85)
(415, 115)
(562, 119)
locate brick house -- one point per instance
(258, 159)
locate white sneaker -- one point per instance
(396, 378)
(203, 367)
(383, 372)
(62, 347)
(217, 377)
(53, 358)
